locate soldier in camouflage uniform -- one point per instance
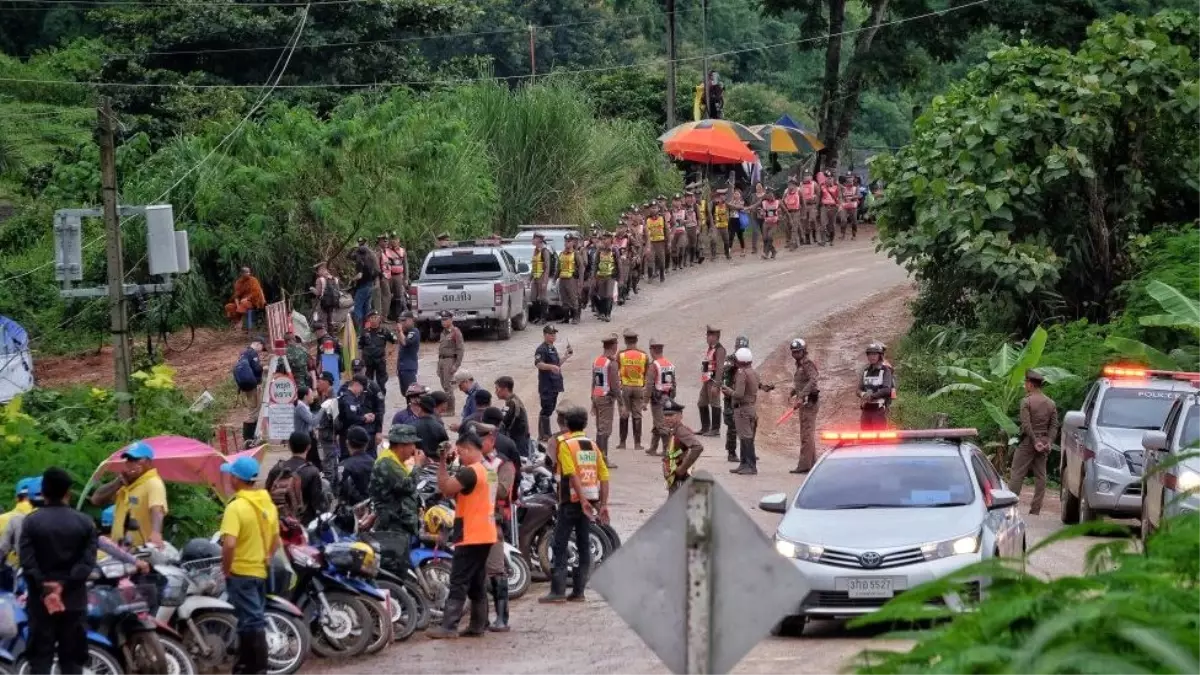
(393, 491)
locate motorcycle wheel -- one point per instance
(519, 576)
(382, 630)
(436, 572)
(217, 636)
(146, 654)
(598, 541)
(405, 613)
(288, 642)
(100, 662)
(176, 657)
(614, 539)
(347, 628)
(424, 613)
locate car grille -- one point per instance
(836, 558)
(842, 600)
(1134, 489)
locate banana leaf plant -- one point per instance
(1002, 386)
(1180, 313)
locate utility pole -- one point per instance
(532, 56)
(704, 52)
(671, 57)
(116, 267)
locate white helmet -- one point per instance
(743, 355)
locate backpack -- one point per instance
(331, 295)
(287, 492)
(243, 374)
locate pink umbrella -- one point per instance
(184, 460)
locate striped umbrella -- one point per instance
(723, 127)
(787, 140)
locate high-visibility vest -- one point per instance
(632, 364)
(771, 211)
(566, 265)
(829, 195)
(808, 190)
(656, 228)
(606, 264)
(708, 368)
(537, 269)
(703, 210)
(721, 216)
(791, 199)
(600, 384)
(849, 197)
(477, 510)
(395, 260)
(587, 467)
(664, 379)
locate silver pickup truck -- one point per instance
(480, 284)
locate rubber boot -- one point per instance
(246, 657)
(479, 618)
(500, 597)
(624, 433)
(749, 463)
(451, 616)
(543, 428)
(731, 444)
(653, 442)
(558, 588)
(704, 423)
(602, 441)
(637, 434)
(714, 414)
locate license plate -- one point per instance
(870, 587)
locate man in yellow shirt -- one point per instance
(249, 538)
(138, 492)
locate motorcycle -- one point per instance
(334, 604)
(537, 508)
(100, 657)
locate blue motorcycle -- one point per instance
(101, 658)
(334, 602)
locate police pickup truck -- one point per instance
(479, 283)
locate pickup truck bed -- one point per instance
(479, 284)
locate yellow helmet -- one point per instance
(437, 518)
(370, 562)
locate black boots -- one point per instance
(749, 463)
(731, 444)
(558, 588)
(715, 416)
(479, 617)
(543, 428)
(654, 443)
(704, 423)
(637, 434)
(451, 616)
(253, 653)
(500, 598)
(624, 433)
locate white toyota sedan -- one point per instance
(885, 511)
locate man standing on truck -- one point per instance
(451, 349)
(568, 280)
(366, 267)
(395, 259)
(550, 379)
(539, 278)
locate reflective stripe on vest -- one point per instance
(721, 216)
(671, 456)
(829, 195)
(587, 467)
(396, 262)
(656, 228)
(606, 264)
(538, 267)
(632, 365)
(771, 213)
(808, 189)
(566, 265)
(477, 509)
(849, 197)
(665, 380)
(708, 367)
(600, 384)
(791, 199)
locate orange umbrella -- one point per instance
(709, 146)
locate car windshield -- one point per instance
(520, 253)
(1189, 438)
(863, 481)
(463, 263)
(1136, 408)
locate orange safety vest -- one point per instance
(770, 210)
(809, 190)
(791, 199)
(587, 466)
(721, 216)
(600, 384)
(709, 367)
(849, 197)
(632, 364)
(656, 228)
(664, 380)
(829, 195)
(395, 260)
(477, 510)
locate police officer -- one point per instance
(608, 269)
(660, 387)
(373, 342)
(451, 349)
(374, 403)
(656, 234)
(606, 391)
(569, 274)
(744, 397)
(550, 379)
(710, 388)
(1039, 428)
(539, 279)
(728, 370)
(876, 388)
(803, 398)
(409, 352)
(681, 447)
(633, 364)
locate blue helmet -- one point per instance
(35, 487)
(23, 486)
(107, 516)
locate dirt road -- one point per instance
(839, 299)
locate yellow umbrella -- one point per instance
(787, 140)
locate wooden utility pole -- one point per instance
(116, 267)
(672, 55)
(532, 56)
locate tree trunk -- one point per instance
(1101, 237)
(826, 114)
(848, 105)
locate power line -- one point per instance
(183, 5)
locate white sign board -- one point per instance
(281, 389)
(281, 421)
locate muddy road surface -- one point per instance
(839, 299)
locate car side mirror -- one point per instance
(1074, 419)
(1002, 499)
(774, 503)
(522, 268)
(1154, 440)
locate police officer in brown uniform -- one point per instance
(710, 384)
(608, 270)
(744, 394)
(1039, 428)
(451, 349)
(803, 398)
(606, 391)
(539, 277)
(660, 388)
(569, 276)
(681, 447)
(443, 240)
(633, 365)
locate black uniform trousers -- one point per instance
(63, 634)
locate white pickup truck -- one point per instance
(480, 284)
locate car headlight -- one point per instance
(809, 552)
(1110, 458)
(1187, 481)
(951, 547)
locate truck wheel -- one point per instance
(1086, 514)
(1069, 513)
(520, 321)
(504, 329)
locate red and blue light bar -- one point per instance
(897, 435)
(1136, 372)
